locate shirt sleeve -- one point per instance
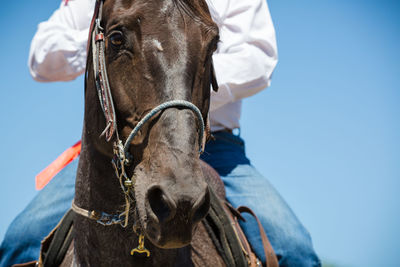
(247, 52)
(58, 49)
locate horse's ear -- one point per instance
(214, 82)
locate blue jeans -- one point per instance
(244, 186)
(22, 240)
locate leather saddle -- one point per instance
(222, 224)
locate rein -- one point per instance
(122, 157)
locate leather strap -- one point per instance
(27, 264)
(271, 259)
(227, 238)
(214, 82)
(55, 245)
(95, 12)
(235, 215)
(225, 130)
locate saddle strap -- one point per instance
(56, 244)
(235, 216)
(271, 259)
(224, 236)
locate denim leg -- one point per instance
(247, 187)
(22, 240)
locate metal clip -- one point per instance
(128, 184)
(141, 249)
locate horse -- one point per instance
(144, 53)
(141, 188)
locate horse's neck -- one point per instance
(97, 187)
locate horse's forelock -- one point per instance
(198, 10)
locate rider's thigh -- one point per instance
(22, 240)
(245, 186)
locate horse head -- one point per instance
(156, 51)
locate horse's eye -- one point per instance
(117, 39)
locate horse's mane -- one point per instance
(198, 10)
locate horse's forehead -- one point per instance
(161, 23)
(141, 7)
(160, 11)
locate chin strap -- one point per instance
(106, 219)
(102, 218)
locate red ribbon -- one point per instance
(45, 176)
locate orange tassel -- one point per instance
(45, 176)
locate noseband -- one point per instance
(122, 157)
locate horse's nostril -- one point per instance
(201, 207)
(160, 204)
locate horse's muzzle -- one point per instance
(173, 214)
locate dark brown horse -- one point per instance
(155, 51)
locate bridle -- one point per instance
(121, 156)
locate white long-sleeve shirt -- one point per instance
(244, 61)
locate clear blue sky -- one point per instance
(326, 133)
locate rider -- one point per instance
(244, 62)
